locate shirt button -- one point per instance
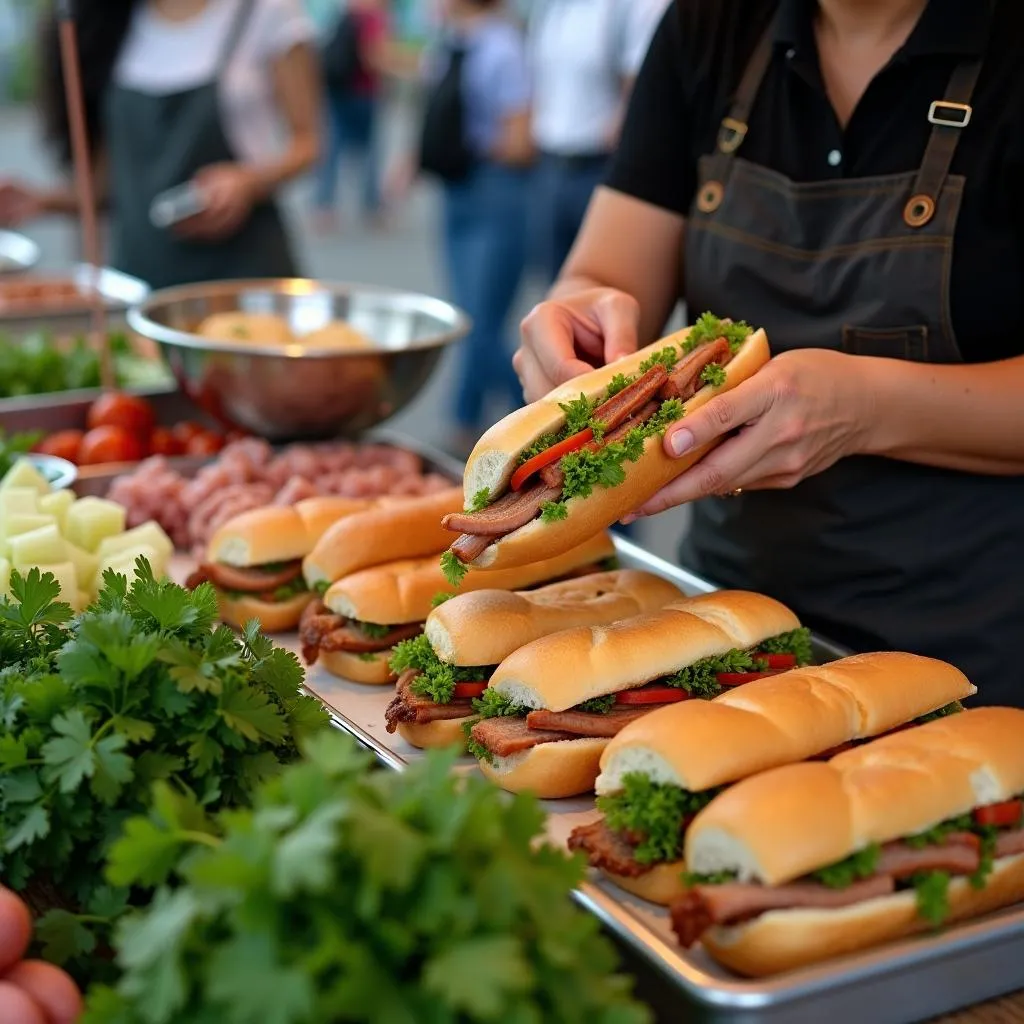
(835, 158)
(790, 53)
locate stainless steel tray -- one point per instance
(17, 253)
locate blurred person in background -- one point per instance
(180, 91)
(476, 140)
(354, 60)
(584, 57)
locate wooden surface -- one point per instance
(1009, 1010)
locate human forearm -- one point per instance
(266, 178)
(968, 418)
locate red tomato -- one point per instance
(652, 695)
(64, 444)
(129, 412)
(53, 991)
(553, 454)
(739, 678)
(163, 442)
(1006, 813)
(110, 444)
(15, 929)
(469, 689)
(778, 660)
(184, 432)
(206, 443)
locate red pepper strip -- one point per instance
(469, 689)
(1006, 813)
(652, 695)
(739, 678)
(553, 454)
(778, 660)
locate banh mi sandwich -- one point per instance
(352, 630)
(554, 472)
(898, 836)
(254, 561)
(553, 705)
(387, 530)
(661, 770)
(441, 671)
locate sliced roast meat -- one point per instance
(707, 905)
(587, 723)
(506, 736)
(684, 380)
(959, 855)
(1010, 843)
(249, 581)
(508, 513)
(351, 638)
(607, 849)
(317, 622)
(469, 547)
(413, 707)
(630, 399)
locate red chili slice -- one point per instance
(652, 695)
(739, 678)
(1002, 814)
(469, 689)
(553, 454)
(778, 660)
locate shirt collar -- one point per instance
(958, 27)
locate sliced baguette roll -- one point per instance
(389, 530)
(560, 671)
(551, 771)
(320, 514)
(496, 455)
(433, 735)
(371, 669)
(784, 823)
(485, 627)
(273, 616)
(403, 591)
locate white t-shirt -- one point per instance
(580, 52)
(161, 57)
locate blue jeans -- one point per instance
(351, 126)
(562, 191)
(485, 234)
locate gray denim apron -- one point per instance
(158, 142)
(877, 553)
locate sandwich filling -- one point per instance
(271, 584)
(599, 436)
(645, 822)
(966, 846)
(504, 728)
(321, 630)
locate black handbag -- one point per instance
(444, 151)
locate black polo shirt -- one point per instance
(693, 68)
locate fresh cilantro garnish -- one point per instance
(950, 709)
(854, 868)
(32, 621)
(373, 630)
(713, 374)
(654, 812)
(668, 357)
(454, 571)
(476, 749)
(439, 599)
(931, 891)
(290, 590)
(709, 328)
(553, 511)
(598, 705)
(491, 704)
(480, 501)
(796, 641)
(577, 414)
(14, 446)
(691, 878)
(437, 679)
(321, 587)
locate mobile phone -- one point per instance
(175, 205)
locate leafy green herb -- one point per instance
(713, 374)
(598, 705)
(931, 890)
(439, 599)
(668, 357)
(671, 410)
(950, 709)
(437, 679)
(481, 500)
(854, 868)
(13, 447)
(690, 878)
(491, 704)
(290, 590)
(368, 656)
(609, 564)
(373, 630)
(699, 679)
(618, 383)
(93, 710)
(796, 641)
(541, 445)
(654, 811)
(473, 747)
(709, 328)
(454, 571)
(577, 414)
(350, 894)
(987, 861)
(553, 511)
(936, 835)
(321, 587)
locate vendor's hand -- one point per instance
(229, 193)
(795, 417)
(566, 337)
(19, 204)
(31, 992)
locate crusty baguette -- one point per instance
(486, 626)
(389, 530)
(434, 735)
(560, 671)
(786, 822)
(401, 592)
(273, 616)
(550, 771)
(371, 669)
(770, 722)
(320, 514)
(495, 456)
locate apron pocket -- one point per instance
(890, 342)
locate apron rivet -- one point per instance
(919, 210)
(710, 197)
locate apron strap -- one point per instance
(234, 36)
(733, 129)
(949, 117)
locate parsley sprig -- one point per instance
(437, 679)
(709, 327)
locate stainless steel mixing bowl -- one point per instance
(290, 392)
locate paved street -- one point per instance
(406, 256)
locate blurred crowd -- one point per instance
(220, 103)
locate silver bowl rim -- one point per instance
(459, 322)
(60, 474)
(30, 252)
